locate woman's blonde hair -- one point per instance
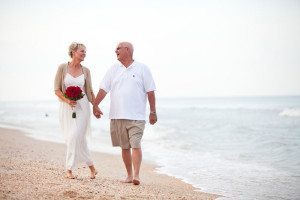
(74, 46)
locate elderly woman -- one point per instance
(75, 128)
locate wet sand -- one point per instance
(33, 169)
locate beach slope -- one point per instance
(33, 169)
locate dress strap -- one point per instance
(82, 71)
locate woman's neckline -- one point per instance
(74, 76)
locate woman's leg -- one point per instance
(93, 171)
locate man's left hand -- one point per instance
(152, 118)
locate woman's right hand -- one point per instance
(72, 103)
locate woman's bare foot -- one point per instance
(69, 175)
(93, 174)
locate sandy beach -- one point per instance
(33, 169)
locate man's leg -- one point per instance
(126, 155)
(136, 160)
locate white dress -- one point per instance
(76, 129)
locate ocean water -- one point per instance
(238, 147)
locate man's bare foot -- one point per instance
(127, 180)
(93, 174)
(69, 175)
(136, 181)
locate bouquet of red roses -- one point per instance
(73, 93)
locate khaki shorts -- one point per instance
(126, 133)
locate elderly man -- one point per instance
(129, 83)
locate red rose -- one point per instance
(74, 93)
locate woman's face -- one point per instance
(79, 53)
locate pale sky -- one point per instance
(193, 47)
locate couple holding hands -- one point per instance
(130, 84)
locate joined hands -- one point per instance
(97, 112)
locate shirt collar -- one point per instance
(129, 67)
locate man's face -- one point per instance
(121, 52)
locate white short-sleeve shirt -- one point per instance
(128, 89)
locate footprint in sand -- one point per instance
(70, 194)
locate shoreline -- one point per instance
(34, 169)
